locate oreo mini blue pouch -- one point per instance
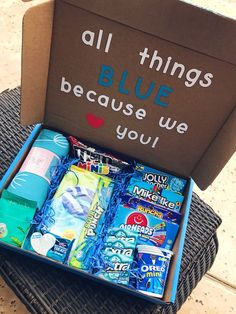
(151, 230)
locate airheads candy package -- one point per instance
(160, 179)
(149, 208)
(86, 244)
(151, 230)
(48, 244)
(95, 160)
(147, 191)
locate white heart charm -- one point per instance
(42, 243)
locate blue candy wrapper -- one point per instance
(160, 179)
(122, 234)
(117, 255)
(85, 246)
(151, 230)
(70, 206)
(117, 246)
(96, 160)
(147, 191)
(149, 208)
(116, 268)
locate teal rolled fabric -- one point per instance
(33, 179)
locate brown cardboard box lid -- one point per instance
(201, 115)
(172, 20)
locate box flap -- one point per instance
(173, 20)
(37, 30)
(217, 154)
(130, 91)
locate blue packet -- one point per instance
(160, 179)
(66, 214)
(116, 268)
(117, 255)
(149, 208)
(118, 246)
(151, 230)
(122, 234)
(48, 244)
(146, 191)
(172, 197)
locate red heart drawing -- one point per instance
(94, 121)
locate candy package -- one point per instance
(151, 229)
(147, 191)
(70, 205)
(161, 180)
(95, 160)
(153, 265)
(149, 208)
(116, 268)
(122, 234)
(91, 231)
(117, 255)
(117, 246)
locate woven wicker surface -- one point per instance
(12, 135)
(45, 289)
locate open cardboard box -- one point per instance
(173, 67)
